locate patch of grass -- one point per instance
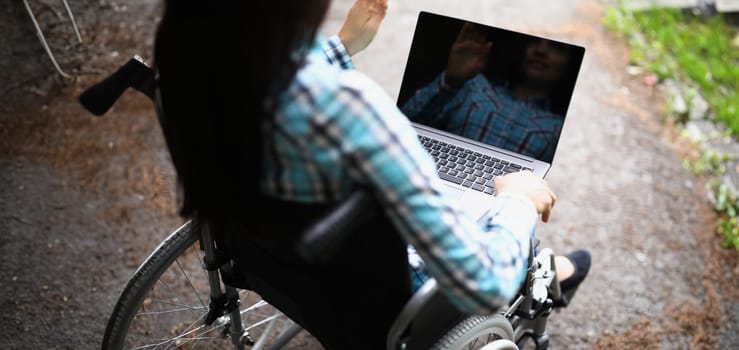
(695, 50)
(728, 223)
(712, 162)
(691, 48)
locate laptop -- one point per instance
(486, 101)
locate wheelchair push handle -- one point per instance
(134, 74)
(321, 240)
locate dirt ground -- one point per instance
(83, 200)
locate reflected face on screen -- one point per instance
(545, 62)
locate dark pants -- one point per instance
(351, 301)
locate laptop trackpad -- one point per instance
(454, 192)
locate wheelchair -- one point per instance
(186, 293)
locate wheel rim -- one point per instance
(171, 314)
(478, 339)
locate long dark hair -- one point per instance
(219, 65)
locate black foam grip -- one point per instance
(321, 240)
(135, 74)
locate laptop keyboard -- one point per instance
(466, 167)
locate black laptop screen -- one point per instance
(503, 88)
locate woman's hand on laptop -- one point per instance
(361, 24)
(527, 184)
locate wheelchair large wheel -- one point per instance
(164, 305)
(476, 332)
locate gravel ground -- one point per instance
(83, 200)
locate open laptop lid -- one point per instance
(503, 88)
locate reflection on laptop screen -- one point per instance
(503, 88)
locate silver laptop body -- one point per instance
(507, 117)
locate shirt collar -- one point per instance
(538, 102)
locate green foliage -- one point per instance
(728, 225)
(710, 162)
(684, 47)
(697, 50)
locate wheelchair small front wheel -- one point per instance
(475, 332)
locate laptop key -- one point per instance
(489, 190)
(478, 187)
(467, 183)
(453, 172)
(516, 166)
(450, 178)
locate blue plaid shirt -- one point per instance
(335, 128)
(488, 113)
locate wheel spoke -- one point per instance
(154, 313)
(189, 282)
(472, 346)
(188, 335)
(200, 259)
(268, 319)
(184, 306)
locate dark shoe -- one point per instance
(581, 260)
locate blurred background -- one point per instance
(646, 172)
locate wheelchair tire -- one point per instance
(165, 302)
(475, 332)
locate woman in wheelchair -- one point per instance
(268, 124)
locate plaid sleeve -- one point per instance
(430, 103)
(336, 53)
(481, 268)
